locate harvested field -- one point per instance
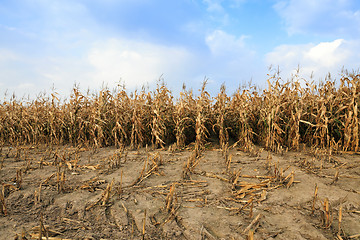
(282, 163)
(75, 193)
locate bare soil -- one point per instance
(75, 193)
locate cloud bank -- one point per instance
(316, 59)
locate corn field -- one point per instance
(286, 115)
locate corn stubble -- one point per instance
(286, 115)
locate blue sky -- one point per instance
(46, 43)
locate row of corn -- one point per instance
(283, 116)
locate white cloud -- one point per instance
(106, 62)
(331, 17)
(135, 62)
(214, 6)
(318, 59)
(221, 43)
(28, 75)
(328, 54)
(217, 13)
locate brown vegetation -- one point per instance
(83, 166)
(281, 117)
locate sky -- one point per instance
(50, 45)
